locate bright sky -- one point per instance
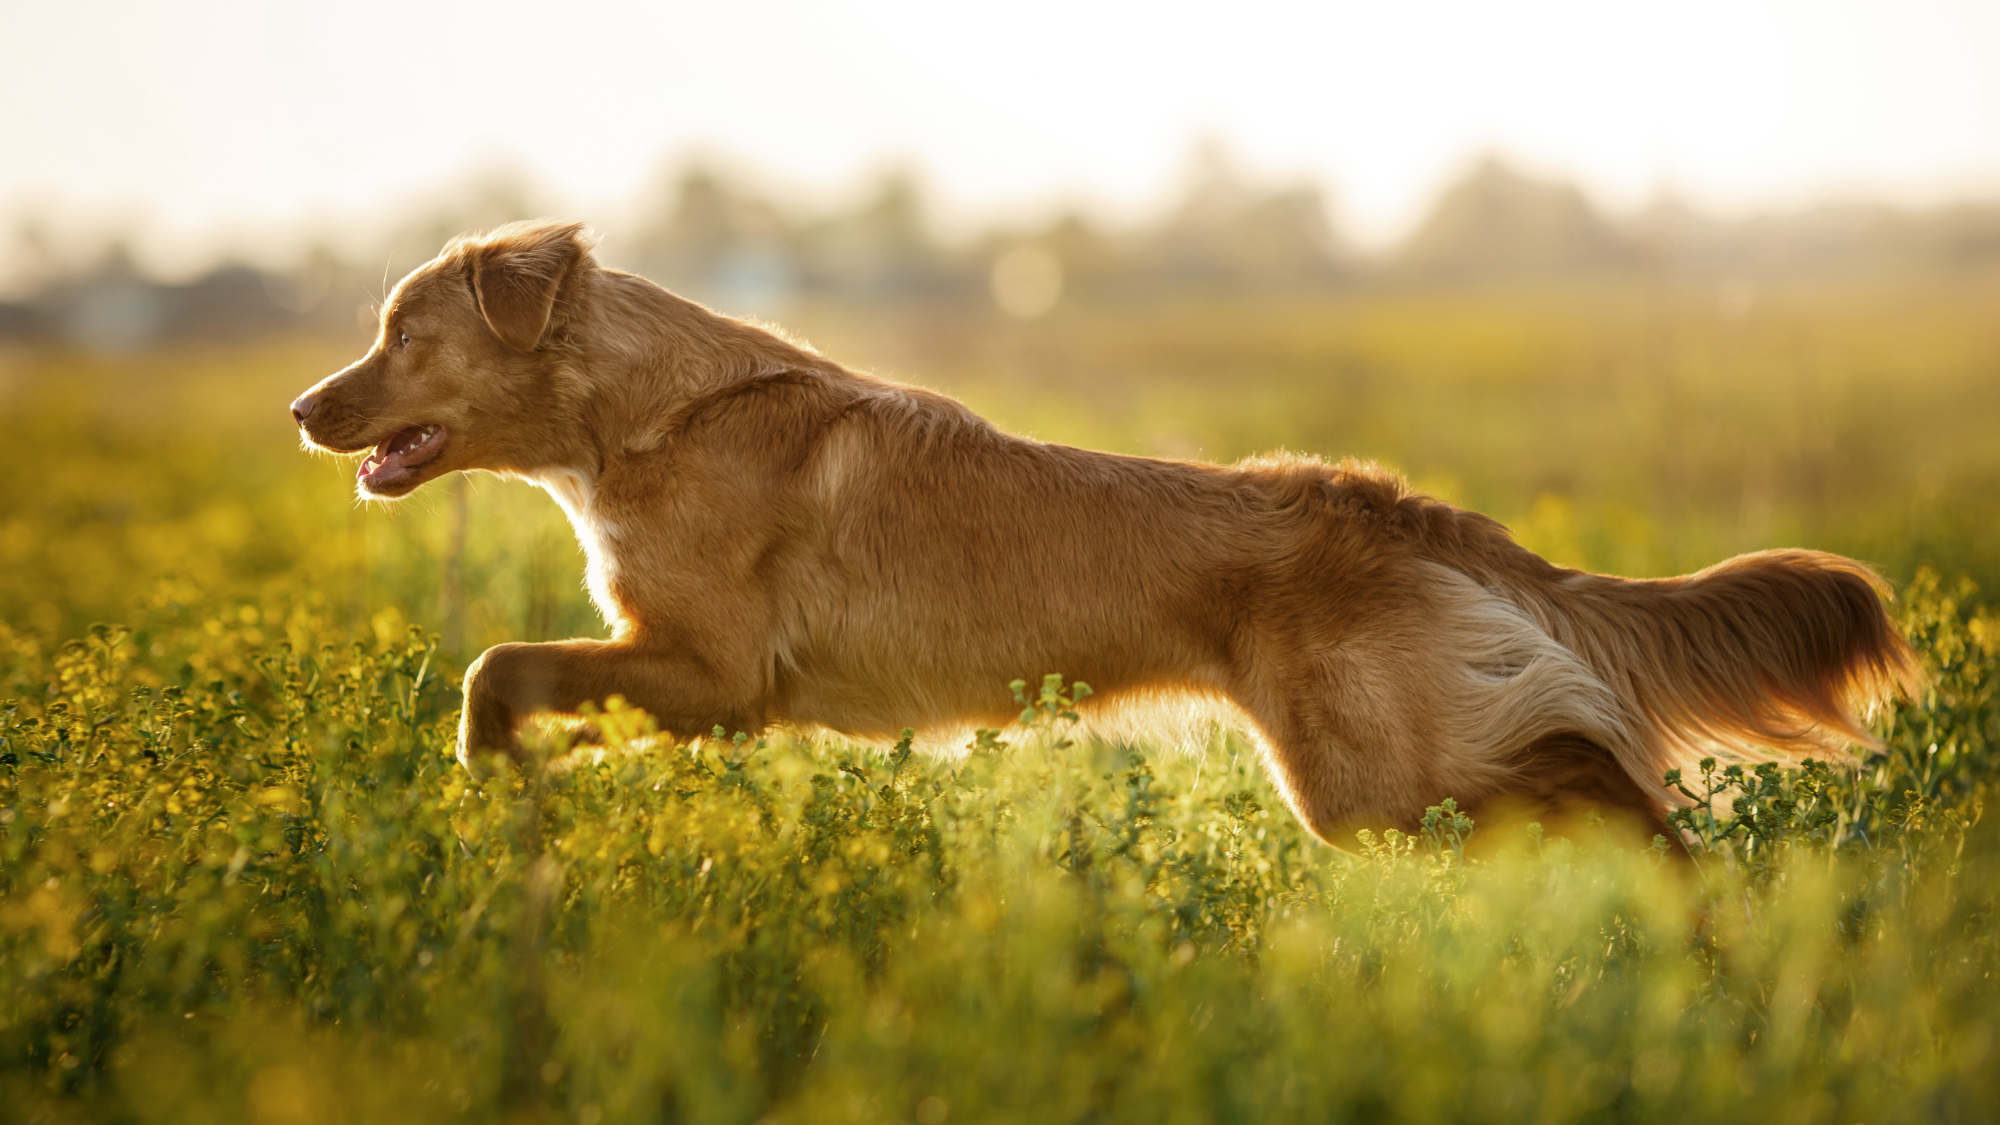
(226, 123)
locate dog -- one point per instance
(773, 537)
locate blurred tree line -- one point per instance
(719, 238)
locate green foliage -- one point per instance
(1051, 705)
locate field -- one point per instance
(241, 878)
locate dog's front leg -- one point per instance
(510, 682)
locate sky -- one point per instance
(203, 127)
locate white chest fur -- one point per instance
(576, 491)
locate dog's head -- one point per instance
(463, 357)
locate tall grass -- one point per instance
(241, 878)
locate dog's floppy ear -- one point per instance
(517, 272)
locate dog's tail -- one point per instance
(1768, 656)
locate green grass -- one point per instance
(242, 880)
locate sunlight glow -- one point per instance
(207, 119)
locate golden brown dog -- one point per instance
(773, 537)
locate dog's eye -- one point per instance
(404, 337)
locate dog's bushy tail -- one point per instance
(1774, 655)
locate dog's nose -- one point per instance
(301, 407)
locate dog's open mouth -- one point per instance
(396, 458)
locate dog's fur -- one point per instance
(773, 537)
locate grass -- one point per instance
(242, 880)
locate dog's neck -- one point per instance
(629, 393)
(652, 356)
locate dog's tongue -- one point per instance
(400, 440)
(386, 461)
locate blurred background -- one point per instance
(1652, 283)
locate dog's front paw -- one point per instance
(487, 739)
(479, 765)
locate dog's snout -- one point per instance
(302, 407)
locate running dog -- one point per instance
(773, 537)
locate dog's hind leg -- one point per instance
(1346, 745)
(1449, 690)
(1339, 775)
(687, 695)
(1560, 779)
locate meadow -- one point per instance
(241, 878)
